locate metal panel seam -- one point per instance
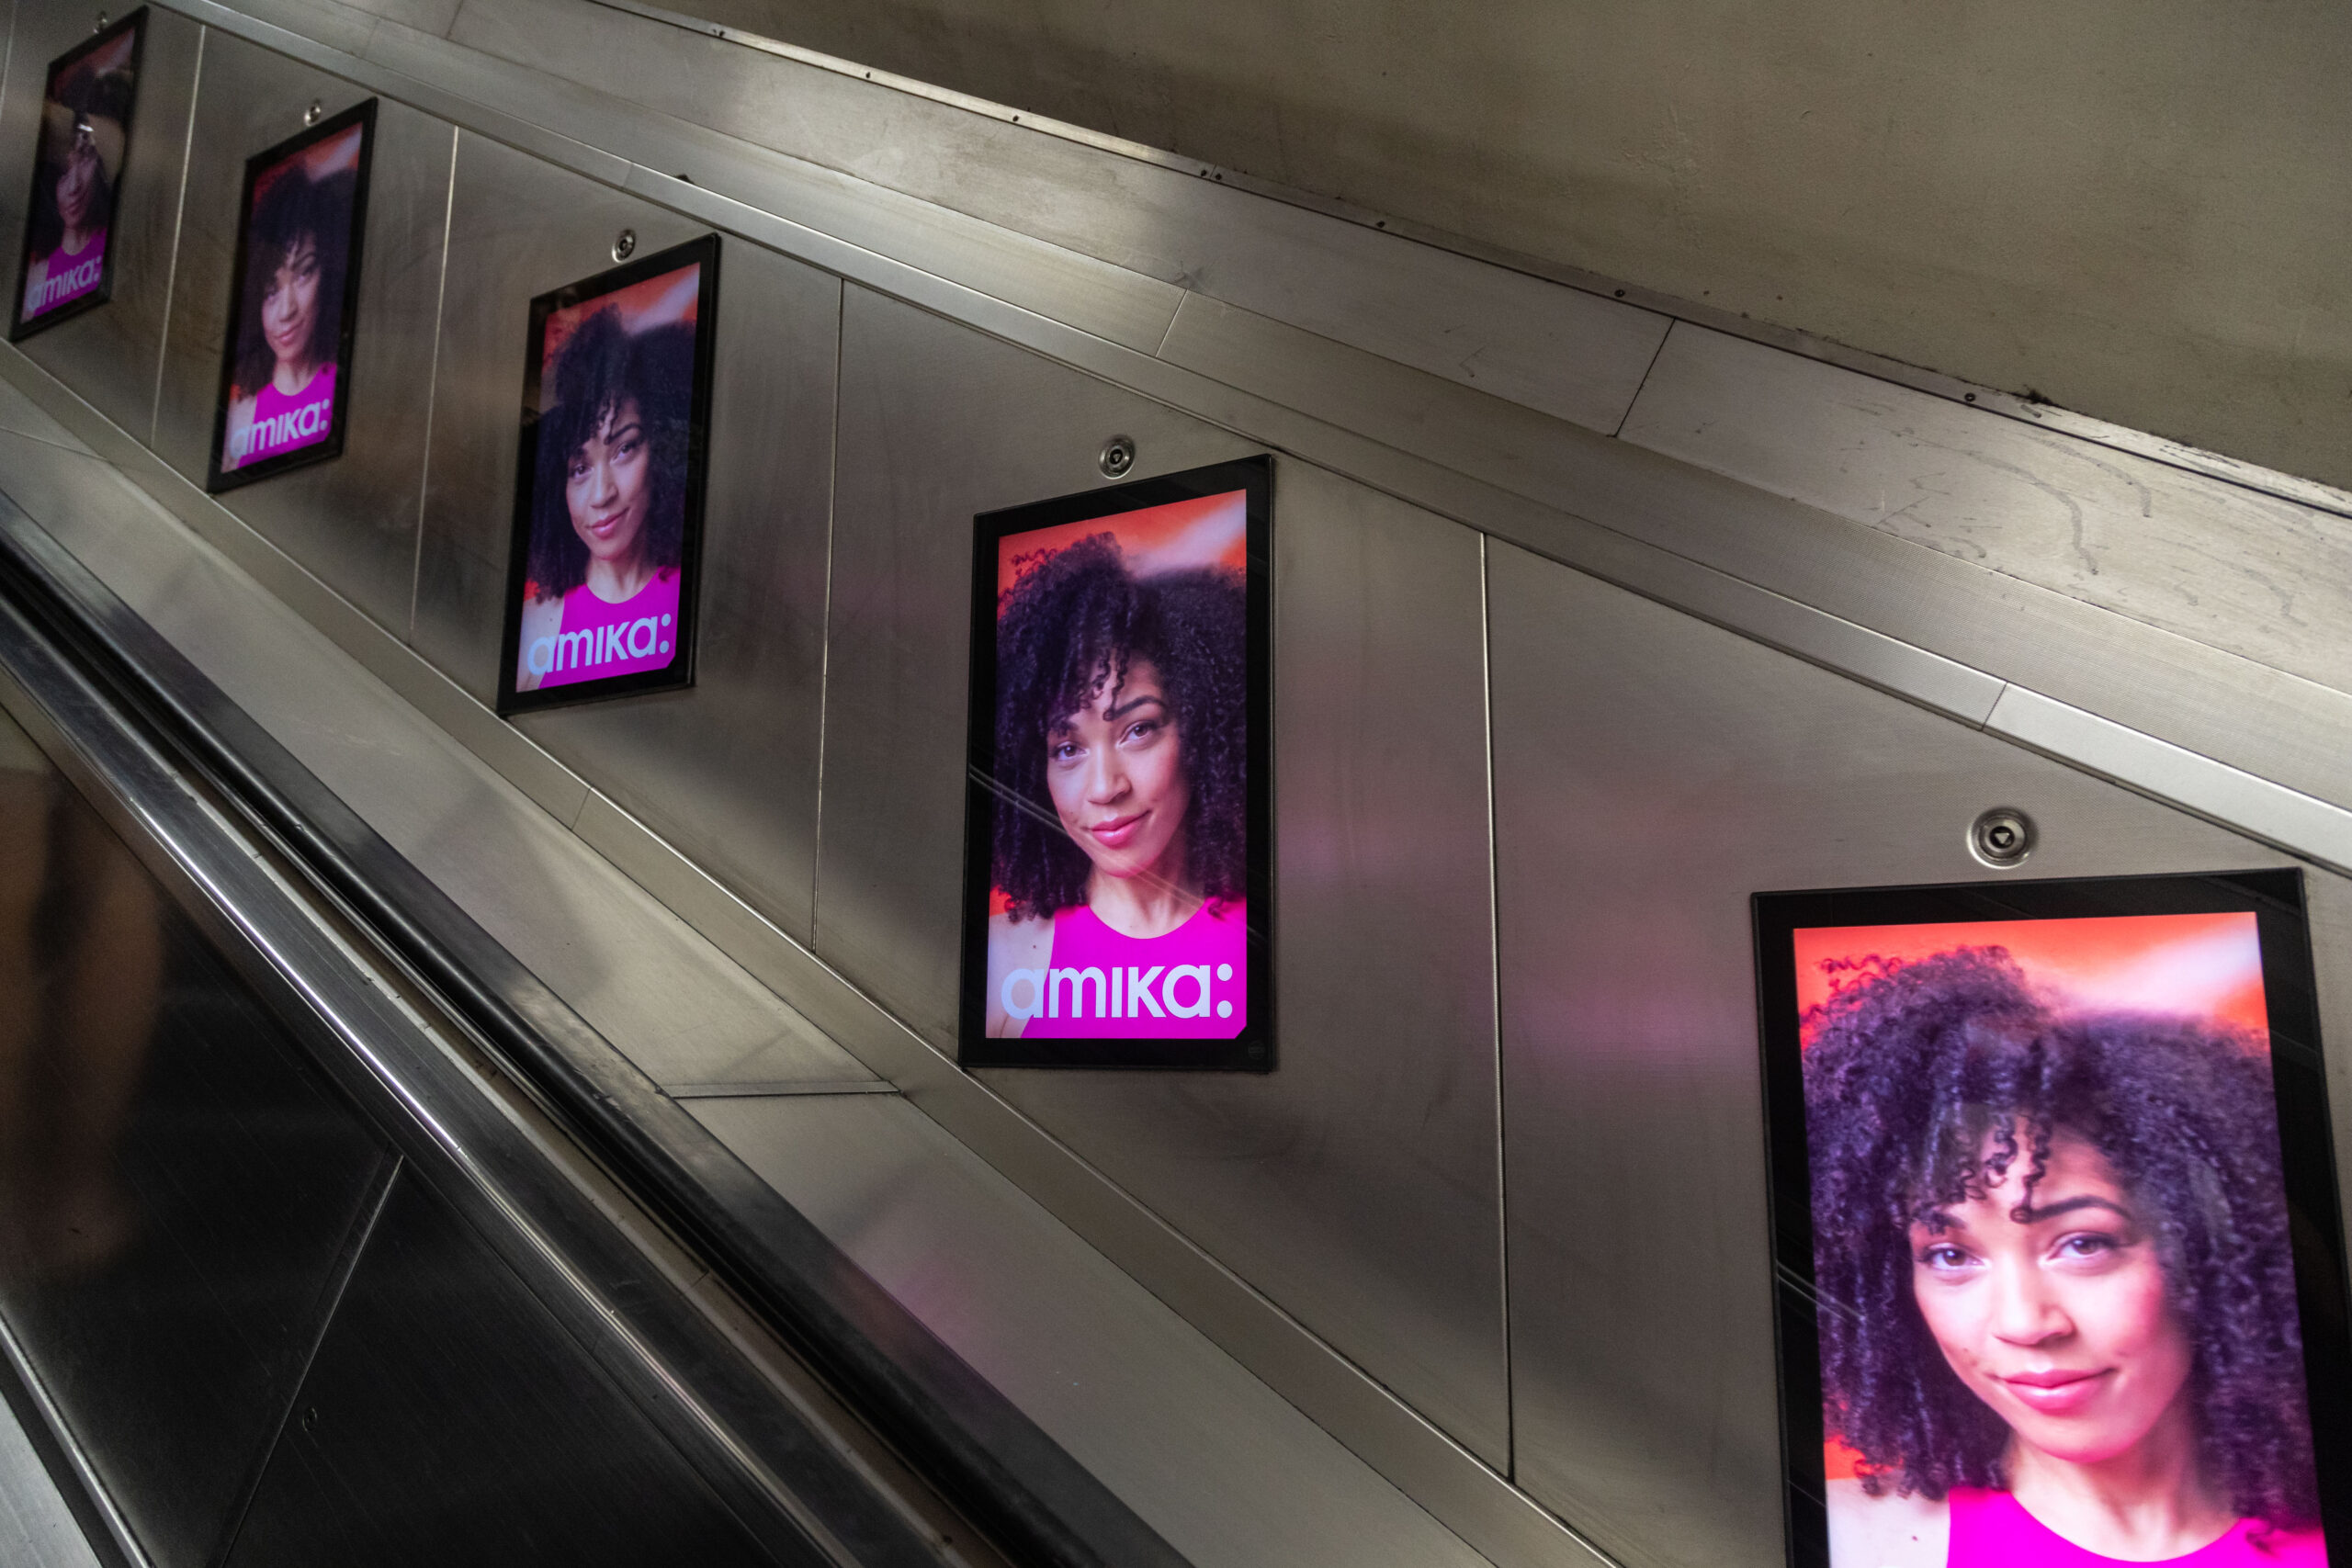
(433, 381)
(179, 215)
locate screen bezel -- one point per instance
(2299, 1085)
(218, 480)
(19, 329)
(1253, 1049)
(679, 672)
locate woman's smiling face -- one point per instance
(1115, 769)
(2056, 1314)
(290, 301)
(608, 484)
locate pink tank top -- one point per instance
(598, 639)
(1992, 1529)
(62, 276)
(1192, 984)
(282, 423)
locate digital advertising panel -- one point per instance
(68, 265)
(1117, 832)
(608, 490)
(285, 371)
(2060, 1266)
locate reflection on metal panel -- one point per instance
(1357, 1186)
(175, 1189)
(448, 1412)
(353, 520)
(19, 415)
(726, 771)
(938, 422)
(2259, 577)
(518, 229)
(1563, 351)
(1230, 1473)
(1650, 772)
(110, 354)
(649, 984)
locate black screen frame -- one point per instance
(679, 672)
(215, 479)
(19, 329)
(2306, 1140)
(1253, 1049)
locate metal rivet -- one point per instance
(316, 112)
(311, 1418)
(102, 23)
(1118, 456)
(2002, 837)
(625, 245)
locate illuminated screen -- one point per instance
(294, 305)
(2059, 1248)
(68, 262)
(1116, 836)
(608, 490)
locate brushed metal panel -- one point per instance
(351, 520)
(448, 1416)
(937, 423)
(1228, 1472)
(517, 229)
(38, 1527)
(652, 985)
(2253, 574)
(1568, 353)
(19, 415)
(1650, 772)
(1358, 1185)
(1121, 306)
(726, 770)
(110, 354)
(181, 1187)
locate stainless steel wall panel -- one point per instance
(19, 415)
(1358, 1185)
(1226, 1469)
(109, 355)
(937, 423)
(1568, 353)
(351, 520)
(517, 229)
(652, 985)
(1650, 772)
(2252, 574)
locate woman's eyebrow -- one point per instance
(1134, 702)
(2070, 1205)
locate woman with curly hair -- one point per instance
(1121, 835)
(289, 323)
(2057, 1300)
(608, 504)
(82, 142)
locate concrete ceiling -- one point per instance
(2140, 209)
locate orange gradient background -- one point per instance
(2206, 964)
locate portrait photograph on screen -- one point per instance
(608, 489)
(294, 307)
(67, 264)
(1118, 828)
(2059, 1254)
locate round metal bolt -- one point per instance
(102, 23)
(2001, 838)
(315, 113)
(625, 245)
(1118, 456)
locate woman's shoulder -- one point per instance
(1887, 1530)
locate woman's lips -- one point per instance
(602, 527)
(2057, 1393)
(1114, 834)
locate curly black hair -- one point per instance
(600, 366)
(1070, 624)
(295, 208)
(85, 94)
(1909, 1068)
